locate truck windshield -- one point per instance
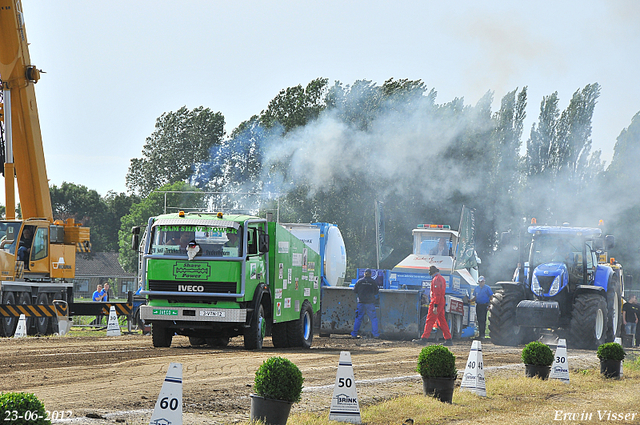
(8, 232)
(557, 249)
(211, 241)
(432, 245)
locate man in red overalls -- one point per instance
(436, 308)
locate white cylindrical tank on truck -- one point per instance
(326, 240)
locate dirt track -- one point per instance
(119, 378)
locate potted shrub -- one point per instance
(437, 366)
(27, 405)
(537, 358)
(611, 355)
(278, 384)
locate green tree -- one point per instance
(559, 161)
(152, 206)
(118, 205)
(622, 209)
(296, 106)
(180, 140)
(499, 208)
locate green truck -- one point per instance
(214, 276)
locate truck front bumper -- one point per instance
(538, 314)
(193, 314)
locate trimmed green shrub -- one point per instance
(27, 405)
(537, 353)
(611, 351)
(278, 378)
(436, 361)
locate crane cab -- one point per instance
(36, 249)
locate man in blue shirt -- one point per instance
(366, 290)
(98, 296)
(482, 296)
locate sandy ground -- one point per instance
(119, 378)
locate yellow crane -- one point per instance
(37, 254)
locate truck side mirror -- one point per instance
(609, 242)
(264, 242)
(135, 238)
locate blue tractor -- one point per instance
(566, 286)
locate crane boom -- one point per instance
(36, 247)
(25, 154)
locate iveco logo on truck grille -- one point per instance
(190, 288)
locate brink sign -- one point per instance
(344, 404)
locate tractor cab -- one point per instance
(562, 257)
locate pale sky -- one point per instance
(113, 67)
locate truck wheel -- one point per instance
(217, 342)
(43, 324)
(279, 335)
(301, 330)
(502, 320)
(25, 299)
(161, 334)
(196, 341)
(588, 321)
(9, 324)
(614, 309)
(254, 335)
(138, 321)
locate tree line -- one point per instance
(327, 152)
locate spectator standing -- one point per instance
(436, 309)
(630, 316)
(482, 296)
(108, 293)
(98, 296)
(366, 290)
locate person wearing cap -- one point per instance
(482, 296)
(436, 309)
(366, 289)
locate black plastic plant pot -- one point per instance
(537, 371)
(440, 388)
(270, 411)
(610, 368)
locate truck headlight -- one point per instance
(535, 286)
(555, 286)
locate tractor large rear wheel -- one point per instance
(502, 320)
(588, 321)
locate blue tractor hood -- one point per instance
(549, 279)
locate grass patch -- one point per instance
(588, 398)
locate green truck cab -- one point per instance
(214, 276)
